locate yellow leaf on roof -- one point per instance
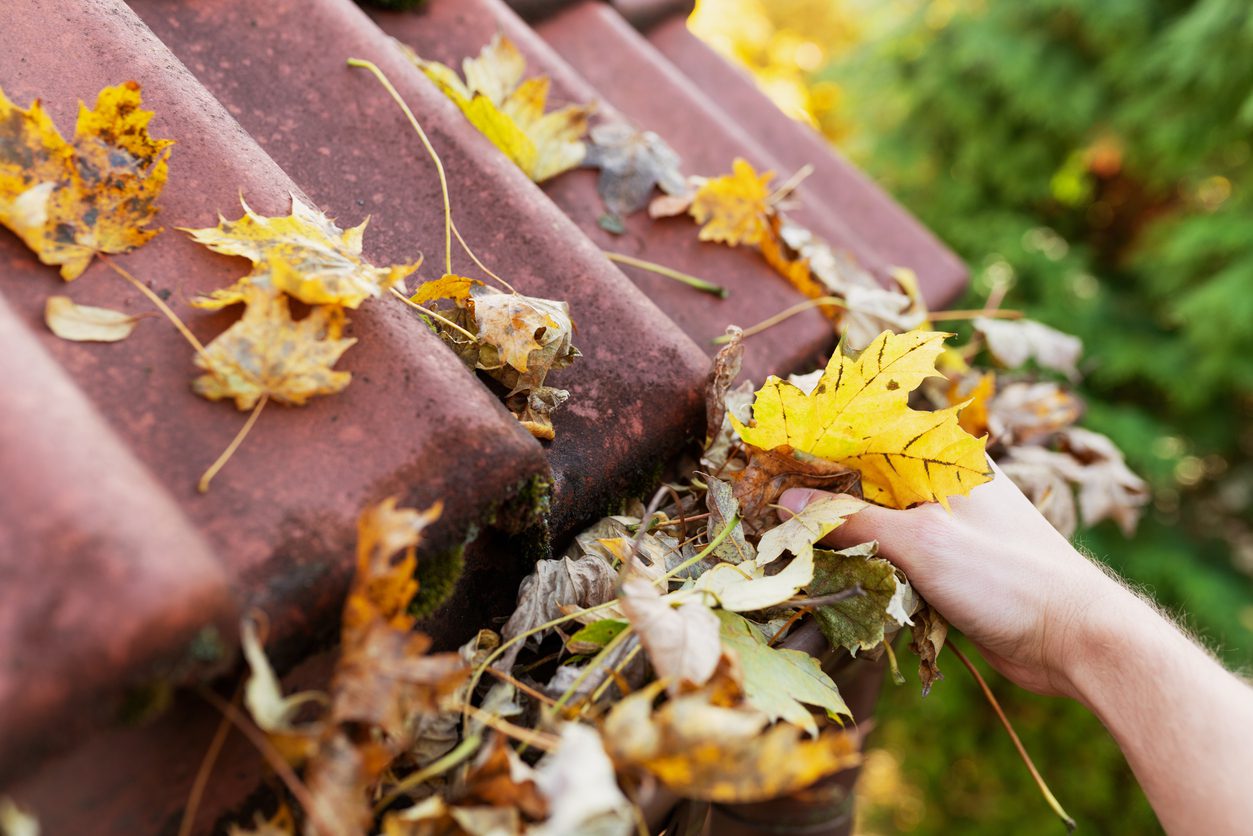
(266, 353)
(859, 416)
(448, 286)
(734, 209)
(68, 202)
(320, 264)
(510, 111)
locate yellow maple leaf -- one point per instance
(384, 585)
(510, 111)
(734, 209)
(267, 354)
(303, 254)
(448, 286)
(858, 416)
(68, 202)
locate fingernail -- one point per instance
(795, 499)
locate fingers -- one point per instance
(893, 529)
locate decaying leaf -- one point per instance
(817, 269)
(770, 472)
(384, 678)
(723, 506)
(499, 778)
(708, 751)
(799, 532)
(681, 641)
(510, 111)
(1108, 489)
(887, 601)
(274, 713)
(553, 586)
(1014, 342)
(1023, 413)
(976, 391)
(518, 340)
(722, 373)
(777, 680)
(734, 209)
(632, 163)
(859, 416)
(266, 353)
(582, 791)
(929, 631)
(68, 202)
(84, 323)
(304, 255)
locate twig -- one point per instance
(521, 686)
(670, 273)
(439, 166)
(1022, 751)
(271, 755)
(203, 484)
(203, 773)
(463, 750)
(782, 631)
(616, 676)
(538, 739)
(402, 297)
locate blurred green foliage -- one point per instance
(1091, 161)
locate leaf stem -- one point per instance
(159, 303)
(791, 184)
(1022, 751)
(597, 660)
(670, 273)
(402, 297)
(703, 553)
(475, 259)
(439, 165)
(616, 674)
(203, 484)
(999, 313)
(438, 767)
(786, 314)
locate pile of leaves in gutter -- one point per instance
(673, 655)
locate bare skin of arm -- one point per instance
(1051, 621)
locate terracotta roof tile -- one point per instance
(115, 574)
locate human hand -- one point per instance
(997, 571)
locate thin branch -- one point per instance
(521, 686)
(203, 484)
(280, 766)
(1022, 750)
(538, 739)
(670, 273)
(202, 774)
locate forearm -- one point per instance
(1184, 723)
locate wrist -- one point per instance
(1103, 643)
